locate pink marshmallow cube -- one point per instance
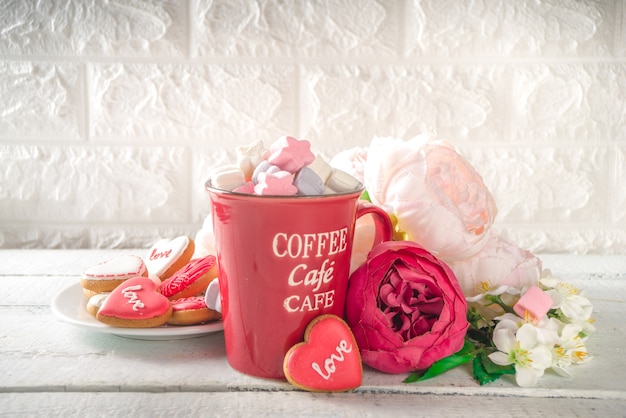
(535, 302)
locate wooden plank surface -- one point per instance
(299, 404)
(48, 363)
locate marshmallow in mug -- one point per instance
(275, 184)
(263, 167)
(308, 182)
(301, 172)
(290, 154)
(227, 178)
(340, 181)
(250, 156)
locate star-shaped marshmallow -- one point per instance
(291, 154)
(280, 184)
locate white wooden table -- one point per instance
(52, 368)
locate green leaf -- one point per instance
(486, 371)
(365, 196)
(465, 354)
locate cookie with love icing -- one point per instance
(328, 360)
(107, 275)
(191, 280)
(167, 256)
(136, 303)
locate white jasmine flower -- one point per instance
(571, 304)
(522, 349)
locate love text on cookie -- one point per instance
(329, 364)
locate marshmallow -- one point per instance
(535, 302)
(290, 154)
(247, 188)
(321, 168)
(280, 183)
(212, 296)
(308, 182)
(340, 181)
(263, 167)
(227, 178)
(250, 156)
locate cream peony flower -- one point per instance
(499, 263)
(438, 198)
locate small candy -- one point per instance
(535, 302)
(227, 178)
(212, 296)
(290, 154)
(279, 184)
(321, 168)
(340, 181)
(263, 167)
(308, 183)
(247, 188)
(250, 156)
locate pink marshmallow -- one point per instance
(535, 302)
(279, 184)
(290, 154)
(247, 188)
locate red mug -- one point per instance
(283, 260)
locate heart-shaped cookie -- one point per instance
(328, 360)
(106, 276)
(167, 256)
(136, 303)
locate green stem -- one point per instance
(496, 299)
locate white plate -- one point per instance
(69, 306)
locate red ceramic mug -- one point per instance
(283, 260)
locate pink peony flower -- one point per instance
(405, 308)
(498, 263)
(439, 200)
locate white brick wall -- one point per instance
(112, 114)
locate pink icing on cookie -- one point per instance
(328, 360)
(187, 275)
(136, 298)
(164, 253)
(117, 268)
(278, 184)
(290, 154)
(189, 304)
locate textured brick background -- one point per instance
(112, 114)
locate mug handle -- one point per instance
(382, 223)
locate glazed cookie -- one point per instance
(192, 280)
(191, 311)
(328, 360)
(136, 303)
(95, 302)
(106, 276)
(168, 256)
